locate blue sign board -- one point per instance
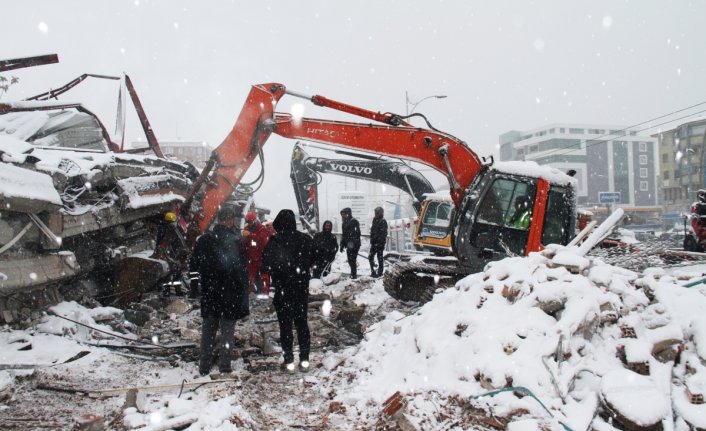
(609, 197)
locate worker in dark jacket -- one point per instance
(325, 247)
(378, 239)
(288, 257)
(221, 263)
(350, 239)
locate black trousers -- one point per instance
(208, 340)
(321, 268)
(352, 254)
(293, 313)
(376, 250)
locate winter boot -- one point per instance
(287, 366)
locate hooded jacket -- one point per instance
(378, 232)
(288, 257)
(221, 263)
(325, 246)
(350, 236)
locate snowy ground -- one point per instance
(572, 342)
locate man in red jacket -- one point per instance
(254, 243)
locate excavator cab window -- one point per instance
(559, 210)
(502, 222)
(438, 214)
(436, 220)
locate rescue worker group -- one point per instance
(232, 265)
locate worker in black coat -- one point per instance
(288, 257)
(378, 239)
(350, 239)
(325, 248)
(222, 266)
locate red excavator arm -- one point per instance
(395, 137)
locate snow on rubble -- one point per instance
(603, 340)
(525, 345)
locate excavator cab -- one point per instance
(434, 227)
(508, 214)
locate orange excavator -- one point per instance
(485, 194)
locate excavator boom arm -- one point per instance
(434, 149)
(306, 170)
(258, 120)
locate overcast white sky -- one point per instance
(503, 65)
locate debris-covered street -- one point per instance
(56, 371)
(573, 341)
(323, 216)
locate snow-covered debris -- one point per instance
(53, 324)
(197, 414)
(19, 187)
(62, 191)
(634, 397)
(529, 322)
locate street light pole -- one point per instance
(414, 104)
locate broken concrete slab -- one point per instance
(622, 390)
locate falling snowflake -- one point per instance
(297, 111)
(326, 308)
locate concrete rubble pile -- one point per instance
(69, 208)
(553, 339)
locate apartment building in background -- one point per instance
(681, 161)
(614, 166)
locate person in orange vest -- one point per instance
(254, 243)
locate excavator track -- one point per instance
(418, 281)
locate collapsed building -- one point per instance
(70, 209)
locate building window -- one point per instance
(533, 148)
(644, 186)
(643, 159)
(643, 172)
(595, 131)
(666, 175)
(643, 147)
(551, 130)
(576, 131)
(665, 158)
(561, 130)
